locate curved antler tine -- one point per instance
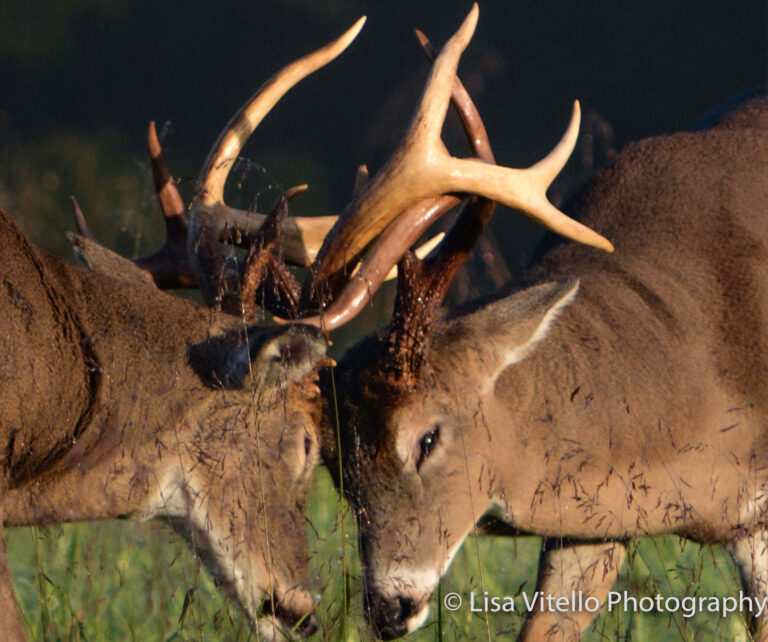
(171, 203)
(209, 216)
(552, 164)
(474, 128)
(428, 121)
(293, 192)
(168, 267)
(80, 220)
(245, 121)
(525, 189)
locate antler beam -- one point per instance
(394, 242)
(422, 168)
(209, 215)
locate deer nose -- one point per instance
(307, 626)
(389, 614)
(301, 622)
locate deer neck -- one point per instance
(142, 390)
(597, 412)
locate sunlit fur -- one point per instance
(638, 405)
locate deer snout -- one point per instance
(392, 616)
(300, 623)
(292, 612)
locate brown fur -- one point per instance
(641, 410)
(118, 400)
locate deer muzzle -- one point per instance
(394, 615)
(289, 617)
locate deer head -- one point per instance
(120, 400)
(597, 401)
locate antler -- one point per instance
(210, 216)
(422, 168)
(423, 284)
(168, 267)
(394, 242)
(191, 255)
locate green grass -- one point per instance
(125, 581)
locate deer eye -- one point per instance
(427, 445)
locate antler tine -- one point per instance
(171, 203)
(168, 267)
(265, 279)
(427, 124)
(80, 220)
(422, 167)
(209, 216)
(390, 247)
(474, 127)
(361, 180)
(244, 122)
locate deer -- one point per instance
(121, 400)
(617, 389)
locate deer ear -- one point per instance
(504, 332)
(259, 356)
(101, 259)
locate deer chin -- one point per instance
(270, 628)
(278, 608)
(393, 615)
(400, 603)
(276, 614)
(417, 621)
(274, 628)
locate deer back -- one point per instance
(686, 213)
(79, 338)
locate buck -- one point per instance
(608, 395)
(120, 400)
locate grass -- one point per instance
(124, 581)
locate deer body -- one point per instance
(110, 408)
(119, 400)
(662, 354)
(613, 396)
(99, 332)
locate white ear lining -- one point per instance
(519, 352)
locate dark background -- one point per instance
(80, 79)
